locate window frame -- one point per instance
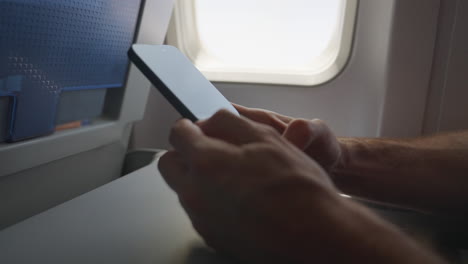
(183, 33)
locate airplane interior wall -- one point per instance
(381, 92)
(447, 104)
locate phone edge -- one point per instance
(160, 86)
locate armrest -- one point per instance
(139, 158)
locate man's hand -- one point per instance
(427, 173)
(253, 195)
(244, 186)
(311, 136)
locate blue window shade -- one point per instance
(50, 46)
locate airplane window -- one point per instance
(298, 42)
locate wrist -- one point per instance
(340, 173)
(344, 158)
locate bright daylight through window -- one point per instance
(298, 42)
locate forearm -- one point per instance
(316, 225)
(365, 238)
(346, 232)
(425, 173)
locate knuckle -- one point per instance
(220, 117)
(322, 129)
(221, 114)
(320, 123)
(273, 117)
(300, 124)
(269, 116)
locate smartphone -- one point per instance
(179, 81)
